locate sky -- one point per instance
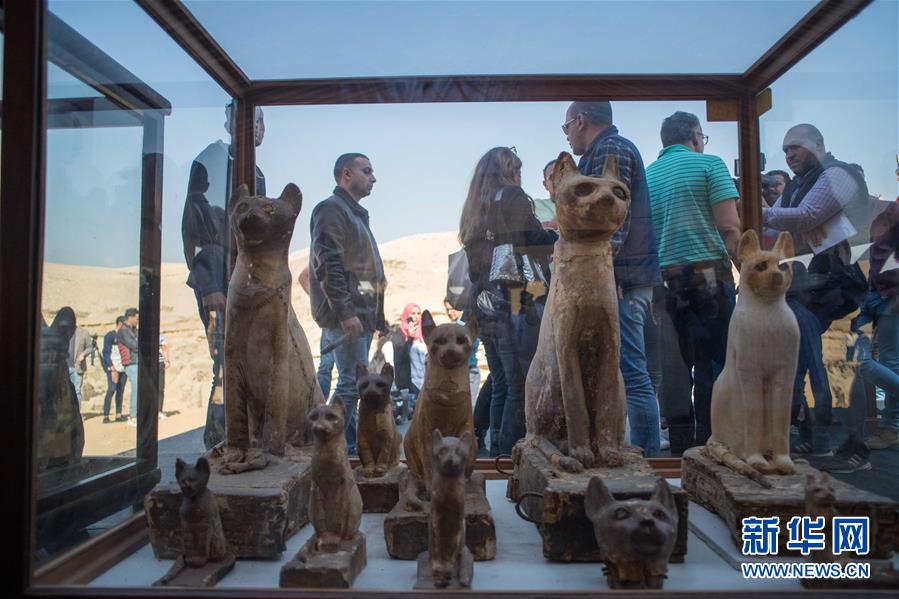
(424, 154)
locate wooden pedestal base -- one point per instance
(554, 500)
(338, 570)
(207, 576)
(406, 532)
(379, 495)
(460, 580)
(260, 509)
(734, 497)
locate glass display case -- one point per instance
(130, 128)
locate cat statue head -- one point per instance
(635, 536)
(192, 479)
(450, 454)
(326, 421)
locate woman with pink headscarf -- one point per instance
(410, 353)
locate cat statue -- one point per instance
(635, 536)
(270, 382)
(201, 526)
(335, 503)
(451, 560)
(379, 441)
(751, 397)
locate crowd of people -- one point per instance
(118, 358)
(674, 259)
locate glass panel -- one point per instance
(369, 39)
(63, 85)
(97, 452)
(847, 89)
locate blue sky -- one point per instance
(423, 155)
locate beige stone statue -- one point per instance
(574, 393)
(751, 398)
(270, 379)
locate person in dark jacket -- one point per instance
(346, 277)
(818, 207)
(592, 136)
(115, 380)
(128, 346)
(207, 251)
(497, 212)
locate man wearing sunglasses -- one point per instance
(592, 136)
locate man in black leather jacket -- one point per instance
(346, 277)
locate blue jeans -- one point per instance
(885, 371)
(510, 344)
(642, 407)
(131, 373)
(325, 367)
(76, 378)
(815, 426)
(346, 357)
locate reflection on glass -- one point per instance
(88, 379)
(831, 185)
(206, 238)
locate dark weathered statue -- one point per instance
(61, 431)
(379, 441)
(451, 561)
(270, 379)
(635, 536)
(201, 526)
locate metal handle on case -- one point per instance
(520, 512)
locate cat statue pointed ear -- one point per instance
(635, 536)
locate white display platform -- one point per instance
(519, 564)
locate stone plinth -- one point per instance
(207, 576)
(260, 509)
(380, 494)
(555, 501)
(734, 497)
(406, 532)
(337, 570)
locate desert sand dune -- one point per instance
(416, 272)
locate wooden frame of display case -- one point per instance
(26, 113)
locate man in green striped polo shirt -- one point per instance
(694, 213)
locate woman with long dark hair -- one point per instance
(497, 211)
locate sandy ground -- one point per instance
(416, 269)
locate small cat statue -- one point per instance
(635, 536)
(201, 526)
(379, 441)
(335, 504)
(451, 560)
